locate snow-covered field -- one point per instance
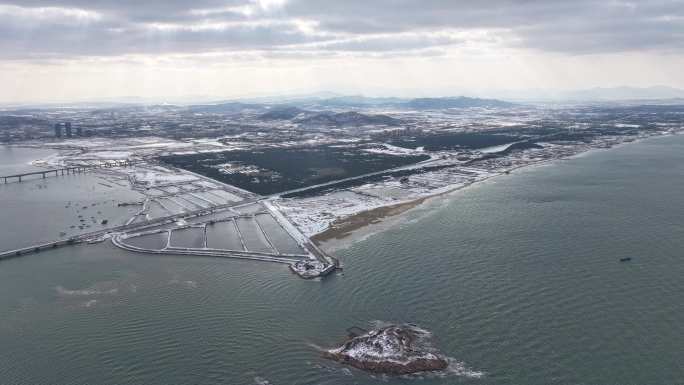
(315, 214)
(172, 191)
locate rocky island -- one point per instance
(394, 349)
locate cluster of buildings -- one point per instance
(65, 127)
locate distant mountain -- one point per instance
(282, 113)
(223, 108)
(348, 119)
(293, 109)
(598, 94)
(289, 99)
(624, 93)
(454, 102)
(358, 101)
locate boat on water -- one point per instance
(625, 259)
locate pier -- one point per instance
(66, 170)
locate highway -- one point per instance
(352, 178)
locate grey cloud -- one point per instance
(53, 41)
(606, 34)
(578, 26)
(388, 43)
(355, 26)
(133, 10)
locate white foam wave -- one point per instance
(187, 284)
(459, 368)
(261, 381)
(89, 303)
(91, 291)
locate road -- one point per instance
(338, 181)
(123, 228)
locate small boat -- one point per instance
(625, 259)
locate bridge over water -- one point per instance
(119, 229)
(67, 170)
(319, 254)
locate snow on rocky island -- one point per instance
(394, 349)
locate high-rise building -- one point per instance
(58, 130)
(68, 129)
(79, 131)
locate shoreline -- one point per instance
(344, 228)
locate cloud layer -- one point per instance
(65, 29)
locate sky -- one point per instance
(79, 50)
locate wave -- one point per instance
(261, 381)
(91, 291)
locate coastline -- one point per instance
(344, 228)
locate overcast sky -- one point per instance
(92, 49)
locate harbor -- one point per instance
(181, 206)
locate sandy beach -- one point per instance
(344, 228)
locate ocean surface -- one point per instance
(39, 210)
(518, 279)
(17, 160)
